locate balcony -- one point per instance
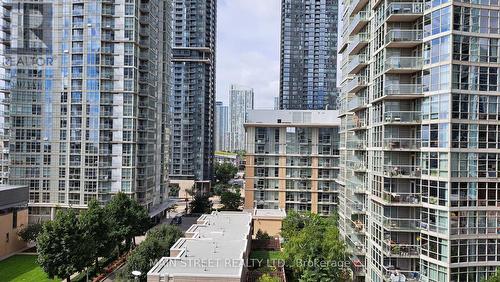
(402, 117)
(401, 224)
(403, 91)
(401, 199)
(404, 11)
(402, 144)
(357, 42)
(357, 63)
(356, 186)
(401, 250)
(356, 165)
(356, 6)
(356, 145)
(401, 65)
(402, 171)
(393, 274)
(356, 103)
(355, 84)
(357, 23)
(403, 38)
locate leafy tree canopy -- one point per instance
(30, 232)
(225, 172)
(201, 204)
(231, 200)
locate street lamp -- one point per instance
(136, 275)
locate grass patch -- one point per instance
(266, 255)
(23, 268)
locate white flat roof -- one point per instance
(293, 117)
(276, 213)
(216, 249)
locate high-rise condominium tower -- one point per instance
(240, 102)
(419, 139)
(221, 127)
(88, 103)
(308, 54)
(193, 93)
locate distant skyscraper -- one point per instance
(193, 94)
(240, 101)
(276, 103)
(308, 77)
(221, 127)
(88, 116)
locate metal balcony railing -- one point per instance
(403, 63)
(403, 89)
(404, 8)
(402, 117)
(402, 143)
(402, 224)
(398, 35)
(402, 171)
(401, 198)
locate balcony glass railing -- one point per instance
(402, 117)
(402, 143)
(356, 40)
(354, 83)
(404, 8)
(393, 274)
(355, 61)
(398, 35)
(401, 198)
(401, 250)
(401, 223)
(394, 63)
(358, 165)
(356, 144)
(359, 18)
(403, 89)
(402, 171)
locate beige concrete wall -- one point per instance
(14, 244)
(249, 182)
(271, 226)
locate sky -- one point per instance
(248, 48)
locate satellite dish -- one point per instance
(136, 273)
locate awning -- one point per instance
(163, 206)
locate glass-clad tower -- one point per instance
(308, 79)
(419, 139)
(193, 92)
(241, 100)
(88, 114)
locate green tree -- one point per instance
(323, 257)
(200, 204)
(224, 172)
(262, 235)
(128, 219)
(495, 277)
(174, 190)
(157, 244)
(30, 232)
(62, 246)
(268, 278)
(96, 229)
(231, 200)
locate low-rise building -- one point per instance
(13, 217)
(268, 221)
(215, 249)
(292, 160)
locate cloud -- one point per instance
(248, 48)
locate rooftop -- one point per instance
(214, 247)
(293, 117)
(13, 196)
(269, 213)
